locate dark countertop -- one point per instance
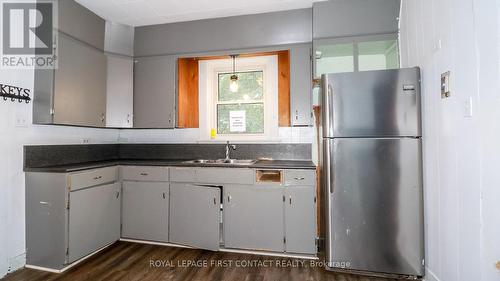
(261, 164)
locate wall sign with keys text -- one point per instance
(13, 93)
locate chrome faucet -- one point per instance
(228, 148)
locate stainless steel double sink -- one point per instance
(239, 162)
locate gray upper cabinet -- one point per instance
(94, 219)
(300, 219)
(345, 18)
(229, 33)
(195, 215)
(154, 92)
(81, 23)
(301, 85)
(145, 210)
(120, 91)
(79, 84)
(119, 39)
(253, 217)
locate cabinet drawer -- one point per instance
(142, 173)
(92, 178)
(179, 174)
(224, 175)
(300, 177)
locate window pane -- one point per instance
(250, 86)
(334, 58)
(240, 118)
(376, 55)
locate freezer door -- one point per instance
(382, 103)
(375, 209)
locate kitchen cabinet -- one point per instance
(300, 219)
(154, 92)
(253, 217)
(81, 23)
(70, 215)
(337, 19)
(94, 219)
(75, 92)
(119, 91)
(79, 84)
(195, 215)
(301, 85)
(145, 210)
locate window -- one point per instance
(241, 112)
(356, 54)
(250, 113)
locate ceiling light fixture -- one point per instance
(233, 85)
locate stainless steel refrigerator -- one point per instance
(372, 172)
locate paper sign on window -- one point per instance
(237, 121)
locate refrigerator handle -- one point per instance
(327, 160)
(327, 105)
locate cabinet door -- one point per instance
(253, 217)
(154, 92)
(300, 219)
(120, 92)
(80, 84)
(195, 215)
(145, 210)
(94, 219)
(301, 85)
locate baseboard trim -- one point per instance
(52, 270)
(270, 254)
(154, 243)
(237, 251)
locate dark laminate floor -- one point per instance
(131, 261)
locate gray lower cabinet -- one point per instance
(145, 208)
(94, 219)
(154, 92)
(300, 219)
(253, 217)
(195, 215)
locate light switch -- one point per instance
(468, 107)
(445, 85)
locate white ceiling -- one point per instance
(148, 12)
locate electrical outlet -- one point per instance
(445, 85)
(20, 119)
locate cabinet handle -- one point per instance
(144, 174)
(299, 178)
(215, 201)
(102, 118)
(290, 200)
(164, 196)
(98, 178)
(228, 198)
(117, 194)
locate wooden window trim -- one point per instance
(188, 81)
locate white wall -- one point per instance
(12, 139)
(461, 153)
